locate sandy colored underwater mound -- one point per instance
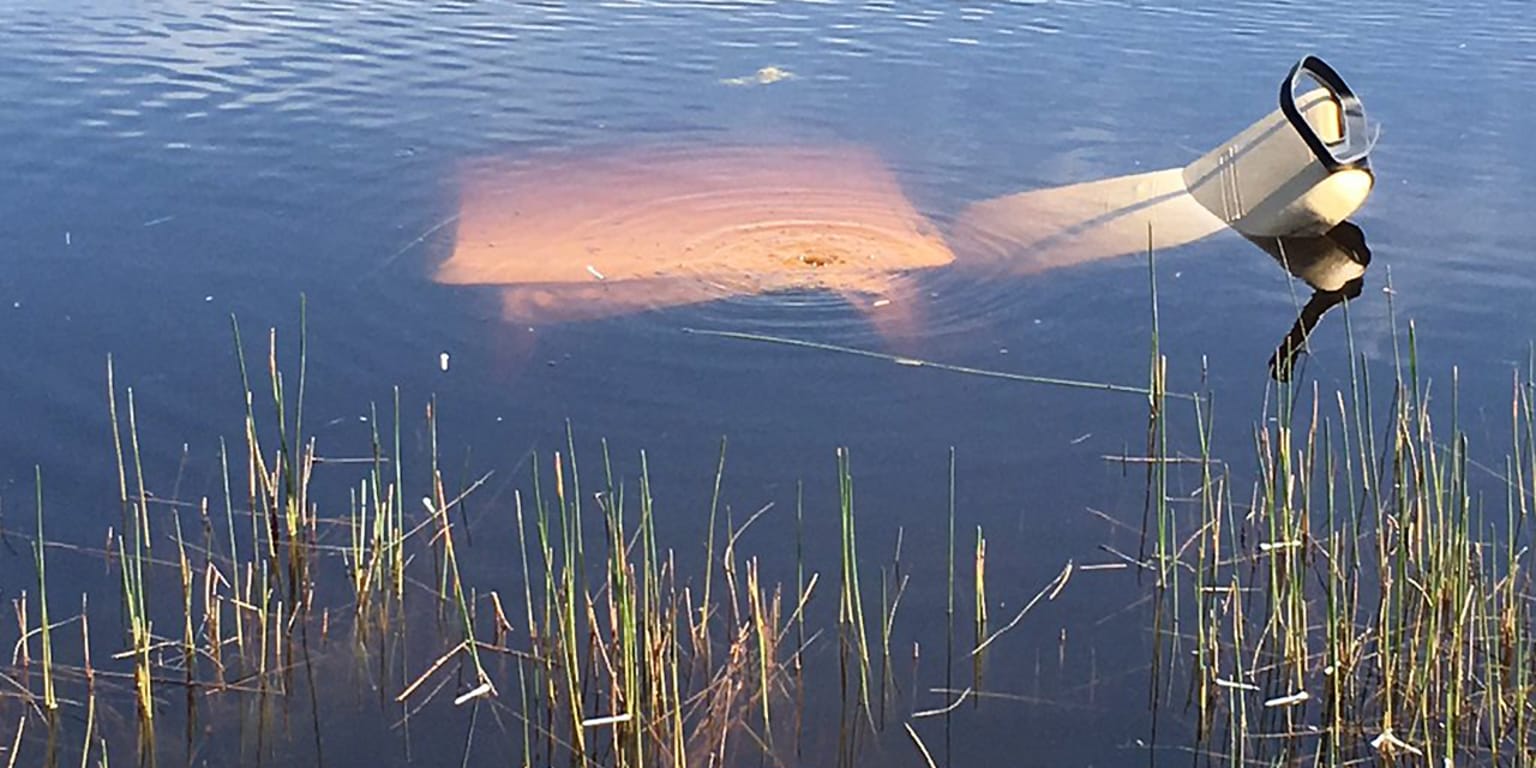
(575, 237)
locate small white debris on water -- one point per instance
(882, 302)
(481, 690)
(1288, 701)
(1237, 685)
(66, 237)
(593, 271)
(1109, 567)
(763, 76)
(1387, 740)
(442, 361)
(608, 720)
(207, 298)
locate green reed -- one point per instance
(949, 597)
(853, 643)
(893, 584)
(50, 700)
(131, 563)
(1363, 604)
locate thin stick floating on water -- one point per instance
(921, 747)
(434, 229)
(1048, 592)
(918, 363)
(950, 707)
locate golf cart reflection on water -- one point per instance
(1333, 264)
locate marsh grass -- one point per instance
(622, 660)
(1362, 600)
(1351, 593)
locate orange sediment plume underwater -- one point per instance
(575, 238)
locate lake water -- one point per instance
(169, 164)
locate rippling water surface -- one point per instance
(169, 164)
